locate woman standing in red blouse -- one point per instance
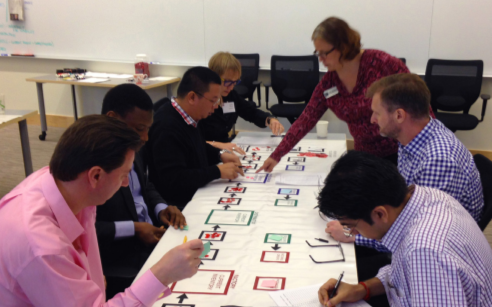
(351, 70)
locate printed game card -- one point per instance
(277, 238)
(296, 159)
(230, 217)
(298, 168)
(215, 282)
(287, 191)
(229, 201)
(279, 257)
(230, 189)
(212, 235)
(286, 202)
(269, 283)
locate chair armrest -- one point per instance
(257, 84)
(267, 91)
(484, 97)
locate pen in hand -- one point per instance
(336, 286)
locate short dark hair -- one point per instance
(197, 79)
(93, 140)
(406, 91)
(358, 183)
(123, 98)
(338, 33)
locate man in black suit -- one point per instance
(131, 223)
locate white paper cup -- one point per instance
(322, 129)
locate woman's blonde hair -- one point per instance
(224, 61)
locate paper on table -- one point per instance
(305, 297)
(6, 118)
(315, 179)
(249, 140)
(270, 283)
(94, 80)
(106, 75)
(161, 78)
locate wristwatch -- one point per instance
(269, 118)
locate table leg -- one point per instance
(42, 112)
(26, 148)
(74, 100)
(169, 89)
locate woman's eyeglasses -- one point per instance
(228, 83)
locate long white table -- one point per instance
(259, 233)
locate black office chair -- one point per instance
(159, 103)
(484, 167)
(250, 67)
(293, 79)
(455, 86)
(403, 60)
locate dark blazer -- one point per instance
(180, 161)
(121, 207)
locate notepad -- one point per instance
(269, 283)
(206, 249)
(275, 237)
(305, 297)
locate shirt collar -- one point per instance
(397, 231)
(67, 221)
(188, 119)
(421, 139)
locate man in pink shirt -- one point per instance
(48, 252)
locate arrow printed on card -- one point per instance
(226, 207)
(287, 197)
(238, 184)
(182, 297)
(201, 263)
(233, 194)
(216, 227)
(276, 247)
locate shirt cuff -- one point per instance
(148, 289)
(383, 272)
(124, 229)
(158, 208)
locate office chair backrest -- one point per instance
(403, 60)
(294, 78)
(454, 85)
(250, 66)
(484, 167)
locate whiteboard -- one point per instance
(462, 30)
(284, 27)
(188, 32)
(170, 31)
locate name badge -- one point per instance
(330, 92)
(228, 107)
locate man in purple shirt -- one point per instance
(440, 256)
(130, 223)
(49, 254)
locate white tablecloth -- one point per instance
(233, 274)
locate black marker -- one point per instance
(322, 240)
(336, 286)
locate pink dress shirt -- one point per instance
(50, 257)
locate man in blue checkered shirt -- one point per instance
(429, 154)
(440, 256)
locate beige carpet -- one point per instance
(13, 168)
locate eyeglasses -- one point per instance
(211, 100)
(330, 245)
(228, 83)
(323, 54)
(350, 230)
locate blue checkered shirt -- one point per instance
(440, 255)
(436, 158)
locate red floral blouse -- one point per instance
(353, 108)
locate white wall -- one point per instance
(20, 94)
